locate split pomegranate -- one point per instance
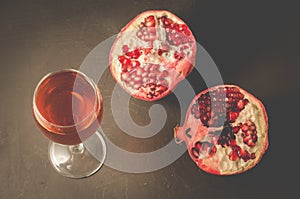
(151, 54)
(225, 130)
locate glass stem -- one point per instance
(79, 148)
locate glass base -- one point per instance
(78, 161)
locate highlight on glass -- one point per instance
(68, 109)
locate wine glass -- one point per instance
(68, 108)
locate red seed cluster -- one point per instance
(227, 105)
(204, 148)
(202, 109)
(148, 76)
(226, 137)
(249, 133)
(153, 90)
(237, 153)
(147, 31)
(221, 107)
(177, 34)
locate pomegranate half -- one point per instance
(225, 130)
(151, 54)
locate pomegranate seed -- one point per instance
(124, 68)
(182, 54)
(232, 143)
(204, 118)
(152, 80)
(166, 21)
(251, 143)
(129, 68)
(136, 86)
(201, 106)
(248, 133)
(146, 51)
(124, 76)
(144, 75)
(245, 156)
(135, 54)
(163, 18)
(159, 52)
(126, 61)
(246, 101)
(157, 93)
(139, 71)
(183, 39)
(152, 86)
(174, 39)
(147, 67)
(233, 155)
(252, 156)
(233, 116)
(139, 34)
(137, 79)
(175, 27)
(184, 47)
(165, 47)
(150, 21)
(249, 123)
(125, 48)
(182, 27)
(252, 128)
(213, 150)
(195, 153)
(233, 89)
(187, 32)
(240, 104)
(237, 148)
(254, 138)
(135, 63)
(163, 88)
(177, 55)
(131, 83)
(154, 67)
(229, 101)
(246, 139)
(152, 75)
(121, 59)
(235, 129)
(244, 128)
(198, 145)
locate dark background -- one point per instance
(255, 44)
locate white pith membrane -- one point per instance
(219, 162)
(164, 68)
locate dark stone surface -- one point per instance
(255, 44)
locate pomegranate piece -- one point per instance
(232, 123)
(152, 54)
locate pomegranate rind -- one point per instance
(182, 67)
(211, 165)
